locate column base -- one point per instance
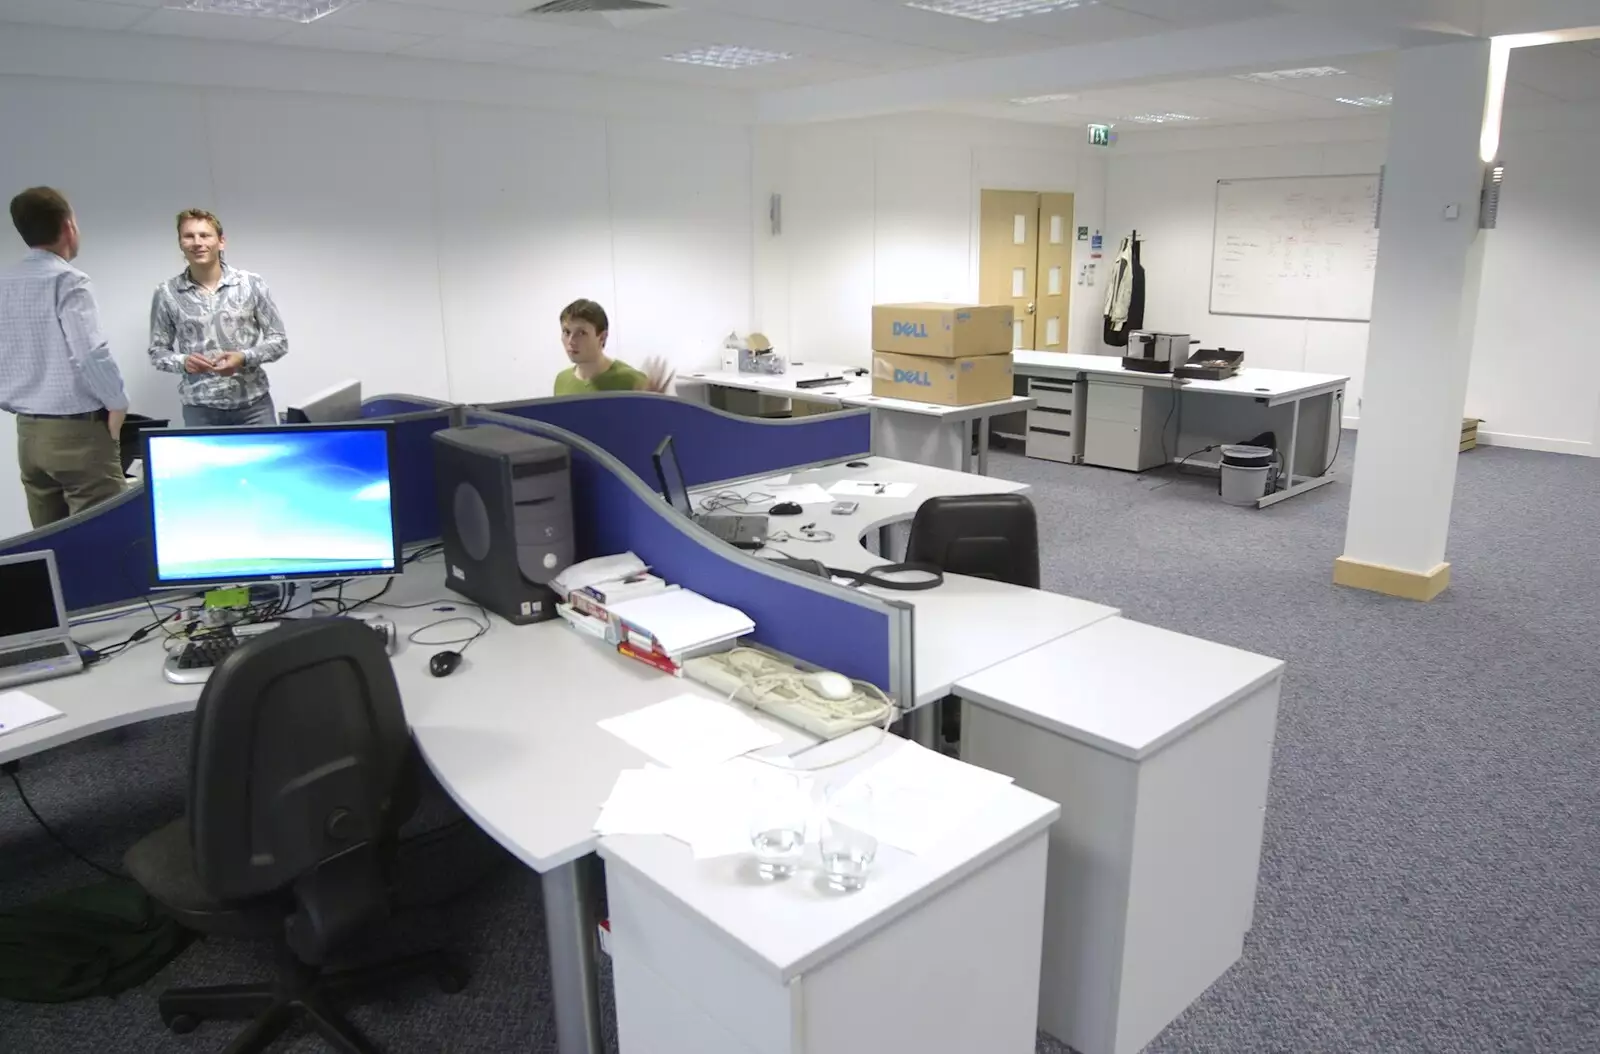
(1391, 581)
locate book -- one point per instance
(678, 623)
(649, 657)
(615, 592)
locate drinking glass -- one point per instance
(848, 845)
(778, 817)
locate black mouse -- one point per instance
(855, 464)
(444, 663)
(785, 508)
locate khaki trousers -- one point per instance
(67, 465)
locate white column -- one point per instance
(1423, 307)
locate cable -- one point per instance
(481, 629)
(1338, 442)
(11, 770)
(732, 499)
(809, 533)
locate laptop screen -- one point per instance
(670, 476)
(30, 602)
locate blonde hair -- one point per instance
(200, 214)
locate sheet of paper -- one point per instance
(680, 619)
(706, 808)
(775, 481)
(687, 731)
(863, 488)
(800, 494)
(918, 796)
(19, 710)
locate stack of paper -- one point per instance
(865, 488)
(688, 731)
(19, 710)
(918, 796)
(706, 808)
(679, 621)
(799, 493)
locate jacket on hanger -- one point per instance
(1125, 297)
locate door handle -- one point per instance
(1030, 307)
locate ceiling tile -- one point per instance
(477, 7)
(74, 14)
(888, 20)
(1201, 12)
(211, 26)
(1091, 25)
(1348, 87)
(464, 49)
(527, 33)
(715, 27)
(344, 38)
(400, 18)
(1568, 72)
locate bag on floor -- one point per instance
(97, 940)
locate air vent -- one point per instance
(594, 7)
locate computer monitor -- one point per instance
(237, 505)
(670, 475)
(342, 402)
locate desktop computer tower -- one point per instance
(505, 505)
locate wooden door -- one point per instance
(1008, 257)
(1054, 294)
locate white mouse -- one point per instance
(830, 685)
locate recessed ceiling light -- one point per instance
(727, 56)
(1292, 75)
(1033, 100)
(1162, 118)
(1368, 101)
(288, 10)
(996, 10)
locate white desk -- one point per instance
(709, 960)
(1160, 747)
(1307, 406)
(967, 624)
(926, 433)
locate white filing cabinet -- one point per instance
(1055, 425)
(1125, 422)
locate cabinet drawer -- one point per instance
(1107, 395)
(1054, 420)
(1112, 445)
(1054, 445)
(1057, 395)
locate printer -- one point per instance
(1156, 352)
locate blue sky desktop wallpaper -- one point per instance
(252, 504)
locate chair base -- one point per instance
(303, 995)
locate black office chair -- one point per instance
(301, 770)
(994, 536)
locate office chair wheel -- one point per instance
(182, 1024)
(450, 979)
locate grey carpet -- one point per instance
(1430, 880)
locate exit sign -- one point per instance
(1099, 135)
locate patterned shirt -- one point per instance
(53, 357)
(239, 316)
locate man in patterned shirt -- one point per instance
(56, 372)
(216, 326)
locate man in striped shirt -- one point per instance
(216, 327)
(56, 372)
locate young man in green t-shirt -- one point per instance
(584, 328)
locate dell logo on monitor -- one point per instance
(910, 329)
(912, 377)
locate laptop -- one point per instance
(35, 640)
(745, 530)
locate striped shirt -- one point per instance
(239, 316)
(53, 357)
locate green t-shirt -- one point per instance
(617, 377)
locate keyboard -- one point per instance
(27, 656)
(193, 663)
(777, 688)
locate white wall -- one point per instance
(1533, 380)
(886, 211)
(422, 245)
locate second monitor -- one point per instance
(341, 402)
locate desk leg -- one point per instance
(963, 432)
(569, 925)
(983, 445)
(922, 726)
(886, 542)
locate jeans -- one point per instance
(260, 412)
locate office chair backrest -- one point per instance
(993, 536)
(299, 754)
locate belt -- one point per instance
(87, 415)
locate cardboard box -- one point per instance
(945, 382)
(948, 331)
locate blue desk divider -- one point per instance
(396, 405)
(103, 553)
(800, 615)
(712, 445)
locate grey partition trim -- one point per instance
(899, 614)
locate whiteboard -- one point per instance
(1295, 247)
